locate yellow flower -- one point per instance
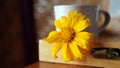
(72, 38)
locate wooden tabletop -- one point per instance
(103, 37)
(56, 65)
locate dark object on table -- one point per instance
(110, 53)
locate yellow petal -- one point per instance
(85, 35)
(84, 51)
(64, 22)
(53, 37)
(76, 18)
(82, 43)
(56, 48)
(82, 25)
(72, 17)
(84, 39)
(58, 24)
(75, 51)
(72, 14)
(66, 55)
(61, 23)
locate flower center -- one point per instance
(67, 34)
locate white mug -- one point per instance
(91, 11)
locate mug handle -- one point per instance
(106, 20)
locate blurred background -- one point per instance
(13, 50)
(44, 14)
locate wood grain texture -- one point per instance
(57, 65)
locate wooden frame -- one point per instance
(29, 32)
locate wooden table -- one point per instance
(107, 37)
(56, 65)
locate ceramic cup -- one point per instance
(91, 11)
